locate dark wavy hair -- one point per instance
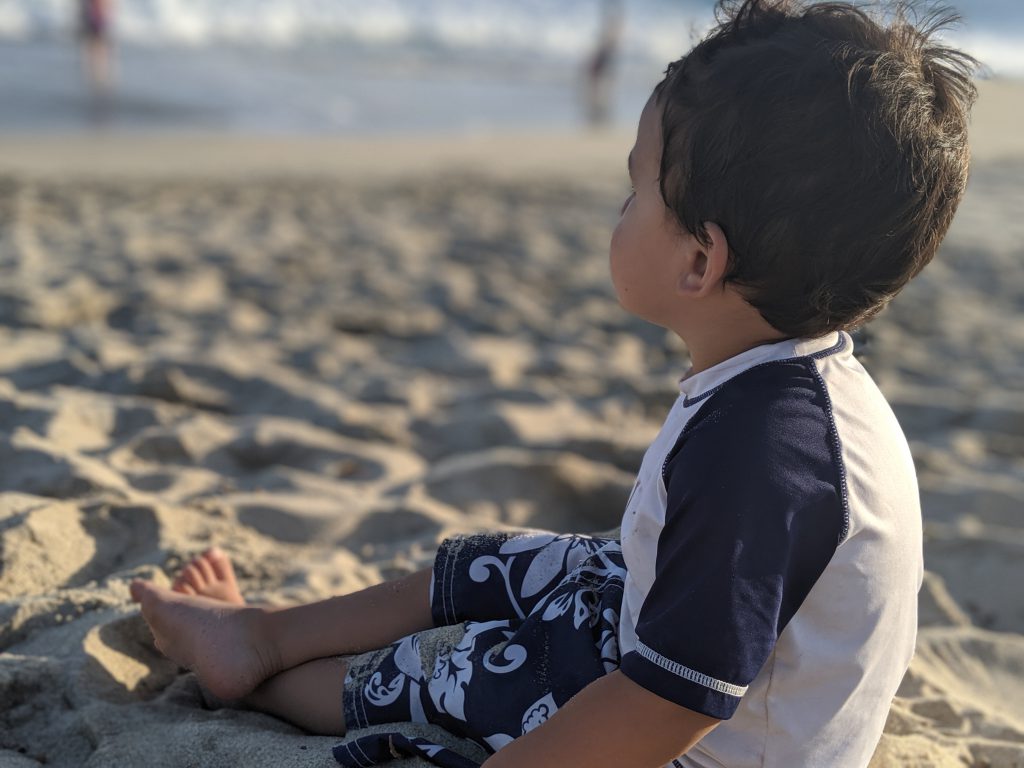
(828, 142)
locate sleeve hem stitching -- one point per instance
(689, 674)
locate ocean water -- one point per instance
(381, 67)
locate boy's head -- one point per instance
(825, 146)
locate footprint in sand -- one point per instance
(121, 662)
(961, 687)
(42, 549)
(34, 465)
(292, 526)
(553, 490)
(973, 569)
(124, 535)
(32, 691)
(391, 526)
(253, 453)
(58, 546)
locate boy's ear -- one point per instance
(704, 266)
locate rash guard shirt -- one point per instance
(773, 548)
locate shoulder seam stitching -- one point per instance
(837, 454)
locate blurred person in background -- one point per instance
(94, 29)
(600, 65)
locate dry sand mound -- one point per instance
(327, 378)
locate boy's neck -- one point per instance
(712, 344)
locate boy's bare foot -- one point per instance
(223, 644)
(210, 575)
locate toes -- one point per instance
(206, 569)
(192, 576)
(140, 590)
(221, 563)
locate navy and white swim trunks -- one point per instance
(534, 620)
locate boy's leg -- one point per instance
(362, 621)
(233, 649)
(308, 696)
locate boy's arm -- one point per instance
(611, 723)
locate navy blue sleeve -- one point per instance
(756, 508)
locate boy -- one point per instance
(790, 175)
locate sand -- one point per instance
(325, 356)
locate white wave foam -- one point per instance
(568, 27)
(657, 30)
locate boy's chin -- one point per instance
(647, 316)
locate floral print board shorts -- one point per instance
(532, 619)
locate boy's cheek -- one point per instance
(618, 254)
(626, 203)
(613, 244)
